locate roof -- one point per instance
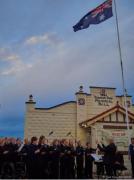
(83, 93)
(30, 102)
(101, 87)
(123, 96)
(56, 105)
(106, 113)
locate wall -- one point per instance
(60, 120)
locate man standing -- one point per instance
(63, 159)
(79, 160)
(131, 155)
(32, 158)
(54, 155)
(89, 161)
(109, 156)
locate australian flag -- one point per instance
(96, 16)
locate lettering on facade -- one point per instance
(118, 134)
(103, 99)
(120, 138)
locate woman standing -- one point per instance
(89, 161)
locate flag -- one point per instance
(96, 16)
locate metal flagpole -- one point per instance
(75, 146)
(122, 72)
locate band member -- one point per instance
(9, 157)
(89, 161)
(42, 158)
(109, 157)
(119, 162)
(18, 143)
(79, 160)
(32, 154)
(63, 159)
(23, 150)
(10, 149)
(54, 153)
(70, 160)
(131, 155)
(1, 152)
(41, 164)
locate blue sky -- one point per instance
(41, 55)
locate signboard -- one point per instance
(103, 99)
(120, 138)
(118, 134)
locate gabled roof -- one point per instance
(104, 114)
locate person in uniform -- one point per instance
(54, 154)
(4, 155)
(18, 143)
(23, 150)
(131, 155)
(63, 159)
(9, 157)
(89, 161)
(109, 156)
(45, 151)
(32, 154)
(13, 150)
(1, 152)
(40, 158)
(119, 163)
(70, 160)
(79, 160)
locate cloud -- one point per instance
(16, 68)
(22, 57)
(7, 55)
(66, 67)
(47, 38)
(2, 50)
(15, 65)
(12, 57)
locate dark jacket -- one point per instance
(131, 150)
(109, 153)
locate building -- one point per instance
(98, 115)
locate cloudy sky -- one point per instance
(41, 55)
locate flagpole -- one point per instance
(75, 146)
(122, 73)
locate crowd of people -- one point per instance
(60, 159)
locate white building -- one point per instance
(98, 115)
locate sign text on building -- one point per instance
(103, 99)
